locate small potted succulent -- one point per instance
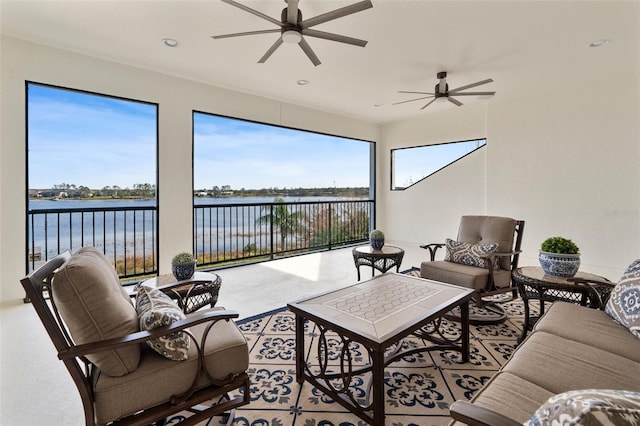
(376, 239)
(559, 257)
(183, 266)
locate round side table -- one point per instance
(192, 294)
(382, 260)
(534, 284)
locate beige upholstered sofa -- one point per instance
(572, 348)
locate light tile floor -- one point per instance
(35, 388)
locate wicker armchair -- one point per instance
(121, 380)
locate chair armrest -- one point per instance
(432, 247)
(473, 415)
(142, 336)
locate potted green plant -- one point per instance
(183, 266)
(376, 239)
(559, 257)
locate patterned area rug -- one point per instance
(419, 388)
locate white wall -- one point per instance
(567, 163)
(22, 61)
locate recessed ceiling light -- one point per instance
(169, 42)
(599, 43)
(302, 82)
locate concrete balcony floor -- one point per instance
(36, 389)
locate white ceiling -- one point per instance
(525, 46)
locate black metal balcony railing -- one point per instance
(127, 235)
(223, 233)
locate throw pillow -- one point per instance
(156, 309)
(589, 407)
(624, 303)
(469, 254)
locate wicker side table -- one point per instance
(534, 284)
(192, 294)
(382, 260)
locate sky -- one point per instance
(97, 141)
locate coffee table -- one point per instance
(374, 315)
(197, 292)
(534, 284)
(382, 260)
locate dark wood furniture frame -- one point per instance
(37, 287)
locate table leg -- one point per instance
(378, 388)
(299, 349)
(464, 323)
(527, 320)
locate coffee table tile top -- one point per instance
(380, 307)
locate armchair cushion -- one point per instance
(624, 303)
(93, 305)
(590, 406)
(489, 229)
(156, 309)
(463, 275)
(226, 354)
(469, 254)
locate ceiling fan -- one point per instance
(293, 28)
(442, 91)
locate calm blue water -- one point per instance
(134, 232)
(73, 204)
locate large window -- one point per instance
(91, 176)
(263, 191)
(411, 165)
(246, 158)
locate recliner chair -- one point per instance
(482, 258)
(121, 380)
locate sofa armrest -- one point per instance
(473, 415)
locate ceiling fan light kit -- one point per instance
(442, 93)
(293, 29)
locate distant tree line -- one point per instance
(148, 190)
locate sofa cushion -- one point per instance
(93, 305)
(469, 254)
(511, 396)
(589, 407)
(559, 365)
(596, 329)
(156, 309)
(624, 303)
(225, 354)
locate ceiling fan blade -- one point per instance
(475, 94)
(335, 14)
(469, 86)
(253, 12)
(309, 52)
(334, 37)
(246, 33)
(292, 12)
(417, 93)
(411, 100)
(454, 101)
(429, 103)
(272, 49)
